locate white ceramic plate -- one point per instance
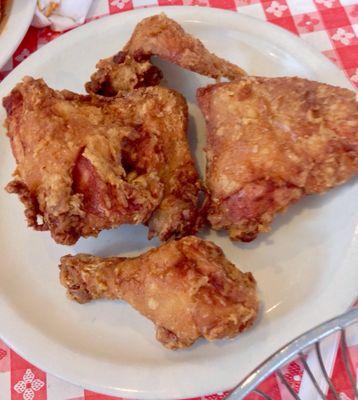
(306, 267)
(18, 18)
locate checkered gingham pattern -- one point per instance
(329, 25)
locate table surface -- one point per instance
(330, 26)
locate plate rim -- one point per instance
(11, 41)
(172, 11)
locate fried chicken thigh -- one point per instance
(163, 37)
(87, 163)
(186, 287)
(271, 141)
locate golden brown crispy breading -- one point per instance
(123, 72)
(87, 163)
(271, 141)
(163, 37)
(186, 287)
(164, 119)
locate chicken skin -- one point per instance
(186, 287)
(87, 163)
(271, 141)
(163, 37)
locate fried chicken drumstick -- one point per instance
(87, 163)
(163, 37)
(186, 287)
(271, 141)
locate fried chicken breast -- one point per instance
(271, 141)
(163, 37)
(87, 163)
(186, 287)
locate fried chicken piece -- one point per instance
(87, 163)
(271, 141)
(163, 37)
(186, 287)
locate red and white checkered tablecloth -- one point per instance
(329, 25)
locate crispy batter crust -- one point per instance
(123, 72)
(271, 141)
(156, 36)
(88, 163)
(163, 37)
(186, 287)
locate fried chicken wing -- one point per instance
(271, 141)
(186, 287)
(87, 163)
(163, 37)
